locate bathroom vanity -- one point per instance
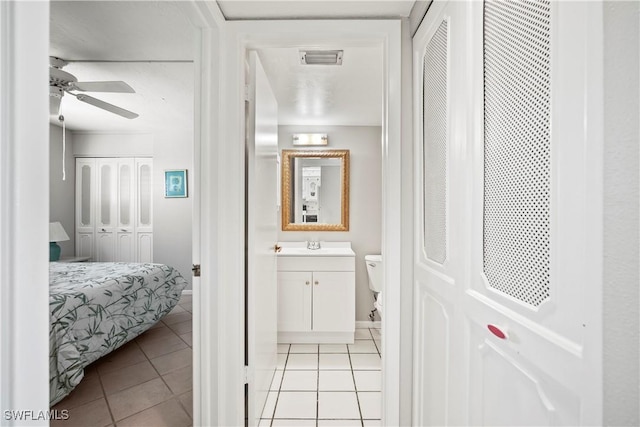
(316, 293)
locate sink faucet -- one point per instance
(313, 244)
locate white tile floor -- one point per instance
(333, 385)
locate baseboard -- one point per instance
(187, 292)
(368, 324)
(313, 337)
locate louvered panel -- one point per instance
(517, 148)
(435, 144)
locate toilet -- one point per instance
(374, 271)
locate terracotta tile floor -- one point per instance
(146, 382)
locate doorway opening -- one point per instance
(319, 378)
(389, 179)
(123, 210)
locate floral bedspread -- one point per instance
(97, 307)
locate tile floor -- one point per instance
(327, 384)
(146, 382)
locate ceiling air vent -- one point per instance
(321, 57)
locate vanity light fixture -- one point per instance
(310, 139)
(321, 57)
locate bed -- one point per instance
(97, 307)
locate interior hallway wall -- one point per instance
(621, 299)
(365, 198)
(62, 193)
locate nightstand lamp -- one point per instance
(56, 234)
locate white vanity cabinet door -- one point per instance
(333, 301)
(294, 301)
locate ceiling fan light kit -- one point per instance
(60, 82)
(55, 97)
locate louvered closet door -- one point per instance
(440, 201)
(85, 207)
(125, 237)
(534, 253)
(507, 279)
(106, 212)
(144, 210)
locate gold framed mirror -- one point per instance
(315, 190)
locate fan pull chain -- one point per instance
(64, 148)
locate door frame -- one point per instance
(241, 36)
(24, 211)
(209, 394)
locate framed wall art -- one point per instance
(175, 183)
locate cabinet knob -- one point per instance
(315, 283)
(306, 283)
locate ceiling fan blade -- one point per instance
(118, 87)
(106, 106)
(55, 97)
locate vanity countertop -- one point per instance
(327, 249)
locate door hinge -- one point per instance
(247, 374)
(196, 270)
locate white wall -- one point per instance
(621, 213)
(171, 217)
(62, 193)
(104, 144)
(365, 201)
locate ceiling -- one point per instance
(150, 45)
(112, 31)
(347, 94)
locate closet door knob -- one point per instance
(316, 282)
(306, 283)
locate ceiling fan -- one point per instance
(61, 82)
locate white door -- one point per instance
(106, 210)
(85, 207)
(144, 210)
(294, 301)
(125, 241)
(262, 292)
(507, 289)
(333, 301)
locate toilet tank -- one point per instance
(374, 269)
